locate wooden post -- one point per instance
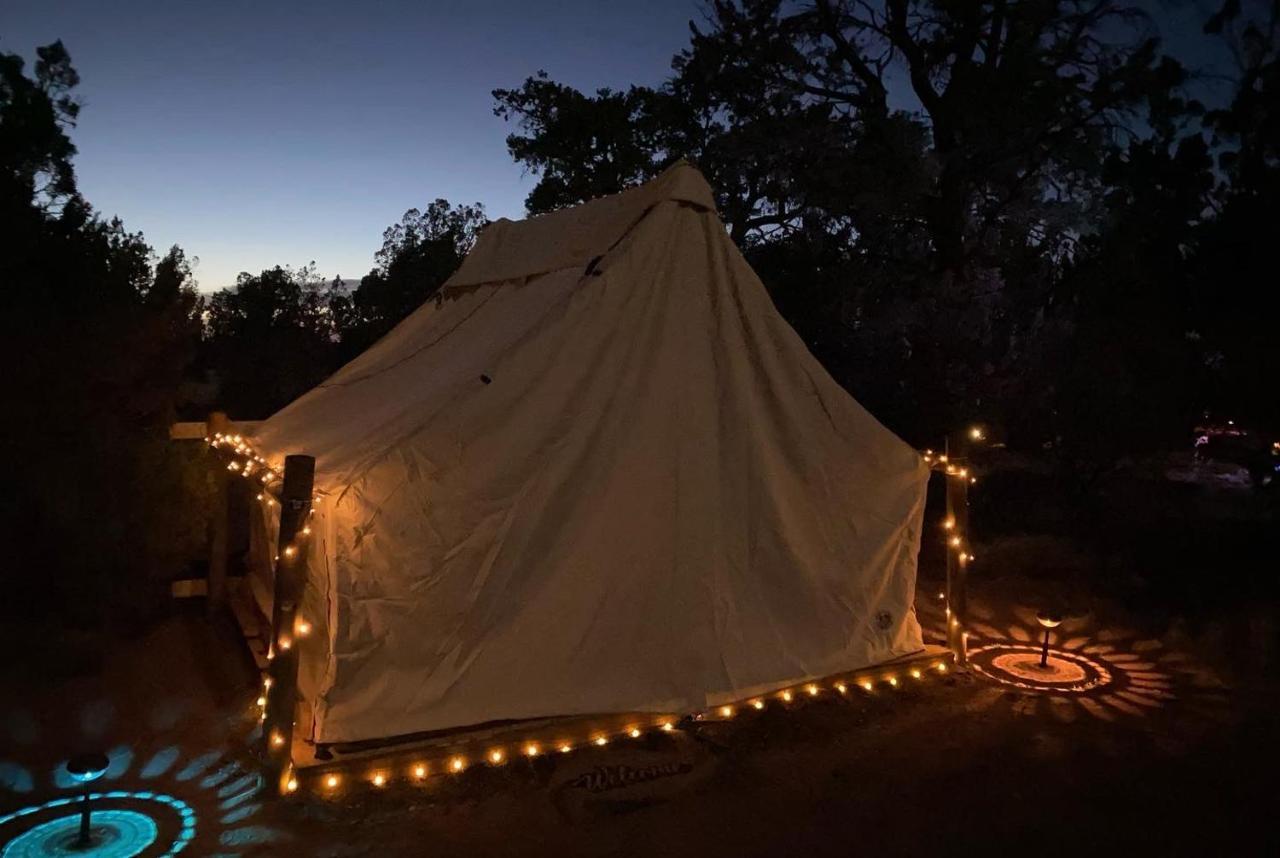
(957, 564)
(216, 591)
(290, 578)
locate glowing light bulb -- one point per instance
(943, 458)
(915, 673)
(306, 530)
(285, 643)
(942, 667)
(786, 696)
(759, 704)
(379, 779)
(601, 741)
(948, 524)
(893, 680)
(331, 781)
(262, 701)
(495, 756)
(419, 771)
(726, 711)
(304, 628)
(291, 785)
(841, 687)
(976, 433)
(955, 542)
(963, 472)
(634, 732)
(531, 749)
(565, 748)
(276, 740)
(457, 764)
(289, 551)
(812, 689)
(866, 684)
(266, 682)
(667, 726)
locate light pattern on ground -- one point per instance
(117, 830)
(115, 834)
(1019, 665)
(225, 794)
(1106, 673)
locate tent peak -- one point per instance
(572, 237)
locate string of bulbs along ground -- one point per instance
(250, 464)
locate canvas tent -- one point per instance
(598, 474)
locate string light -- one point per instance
(262, 701)
(291, 785)
(303, 628)
(976, 433)
(289, 551)
(497, 756)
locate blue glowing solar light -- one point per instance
(88, 767)
(115, 833)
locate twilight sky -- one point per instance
(263, 133)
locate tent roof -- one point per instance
(572, 237)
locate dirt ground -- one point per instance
(1165, 758)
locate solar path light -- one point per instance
(85, 769)
(1049, 620)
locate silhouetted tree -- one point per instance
(418, 254)
(96, 335)
(269, 339)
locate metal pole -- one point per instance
(290, 578)
(85, 840)
(1044, 653)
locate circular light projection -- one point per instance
(1019, 665)
(115, 834)
(117, 831)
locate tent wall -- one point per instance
(659, 501)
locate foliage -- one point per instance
(269, 339)
(96, 334)
(992, 208)
(418, 254)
